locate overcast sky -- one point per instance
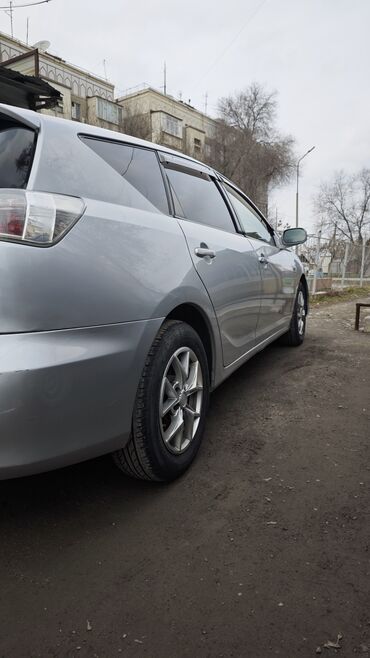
(314, 53)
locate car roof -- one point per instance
(35, 120)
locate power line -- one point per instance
(228, 46)
(11, 6)
(9, 9)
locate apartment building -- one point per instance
(143, 112)
(165, 120)
(84, 96)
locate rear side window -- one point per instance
(16, 154)
(139, 167)
(197, 198)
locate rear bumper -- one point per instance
(67, 396)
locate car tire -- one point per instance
(295, 336)
(170, 408)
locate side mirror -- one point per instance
(293, 236)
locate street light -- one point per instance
(296, 196)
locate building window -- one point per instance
(171, 125)
(107, 111)
(76, 111)
(197, 146)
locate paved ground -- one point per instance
(261, 549)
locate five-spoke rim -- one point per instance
(180, 400)
(301, 313)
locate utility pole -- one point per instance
(362, 261)
(296, 196)
(332, 248)
(317, 262)
(345, 264)
(8, 10)
(11, 16)
(10, 7)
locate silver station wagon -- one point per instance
(134, 280)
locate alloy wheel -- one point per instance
(301, 313)
(180, 401)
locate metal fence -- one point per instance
(331, 263)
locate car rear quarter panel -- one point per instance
(115, 265)
(66, 396)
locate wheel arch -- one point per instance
(303, 280)
(196, 318)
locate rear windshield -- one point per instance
(16, 153)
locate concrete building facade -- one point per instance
(86, 97)
(145, 112)
(165, 120)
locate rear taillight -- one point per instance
(37, 218)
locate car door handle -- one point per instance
(262, 258)
(202, 252)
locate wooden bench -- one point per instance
(358, 309)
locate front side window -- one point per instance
(139, 168)
(251, 223)
(16, 154)
(198, 199)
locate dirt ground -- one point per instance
(261, 549)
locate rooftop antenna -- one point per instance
(28, 25)
(10, 7)
(10, 13)
(205, 102)
(105, 68)
(165, 79)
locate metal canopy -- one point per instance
(26, 91)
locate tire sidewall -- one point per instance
(166, 464)
(299, 337)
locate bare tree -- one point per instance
(136, 124)
(247, 147)
(343, 205)
(343, 208)
(253, 111)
